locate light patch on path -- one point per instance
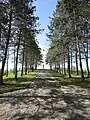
(46, 99)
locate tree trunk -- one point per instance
(87, 61)
(86, 57)
(32, 69)
(59, 68)
(64, 66)
(22, 63)
(7, 64)
(78, 48)
(50, 66)
(76, 62)
(71, 61)
(0, 36)
(16, 71)
(14, 59)
(80, 60)
(69, 64)
(26, 63)
(36, 66)
(7, 43)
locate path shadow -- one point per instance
(45, 100)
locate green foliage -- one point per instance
(69, 33)
(18, 30)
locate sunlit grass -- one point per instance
(74, 80)
(10, 84)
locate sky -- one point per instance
(44, 10)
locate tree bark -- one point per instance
(86, 57)
(64, 66)
(78, 48)
(59, 68)
(80, 60)
(76, 62)
(14, 59)
(50, 66)
(23, 58)
(22, 63)
(26, 63)
(0, 36)
(87, 61)
(7, 64)
(69, 64)
(71, 61)
(16, 71)
(36, 66)
(6, 49)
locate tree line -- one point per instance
(18, 29)
(69, 37)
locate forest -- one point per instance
(18, 30)
(69, 38)
(61, 92)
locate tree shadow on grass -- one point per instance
(48, 81)
(73, 81)
(10, 84)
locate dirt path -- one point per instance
(46, 99)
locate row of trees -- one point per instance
(18, 29)
(69, 34)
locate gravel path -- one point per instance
(46, 99)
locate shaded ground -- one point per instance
(10, 84)
(46, 99)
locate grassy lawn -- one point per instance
(75, 80)
(10, 84)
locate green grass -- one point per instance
(74, 80)
(10, 84)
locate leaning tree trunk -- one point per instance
(16, 71)
(69, 64)
(6, 49)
